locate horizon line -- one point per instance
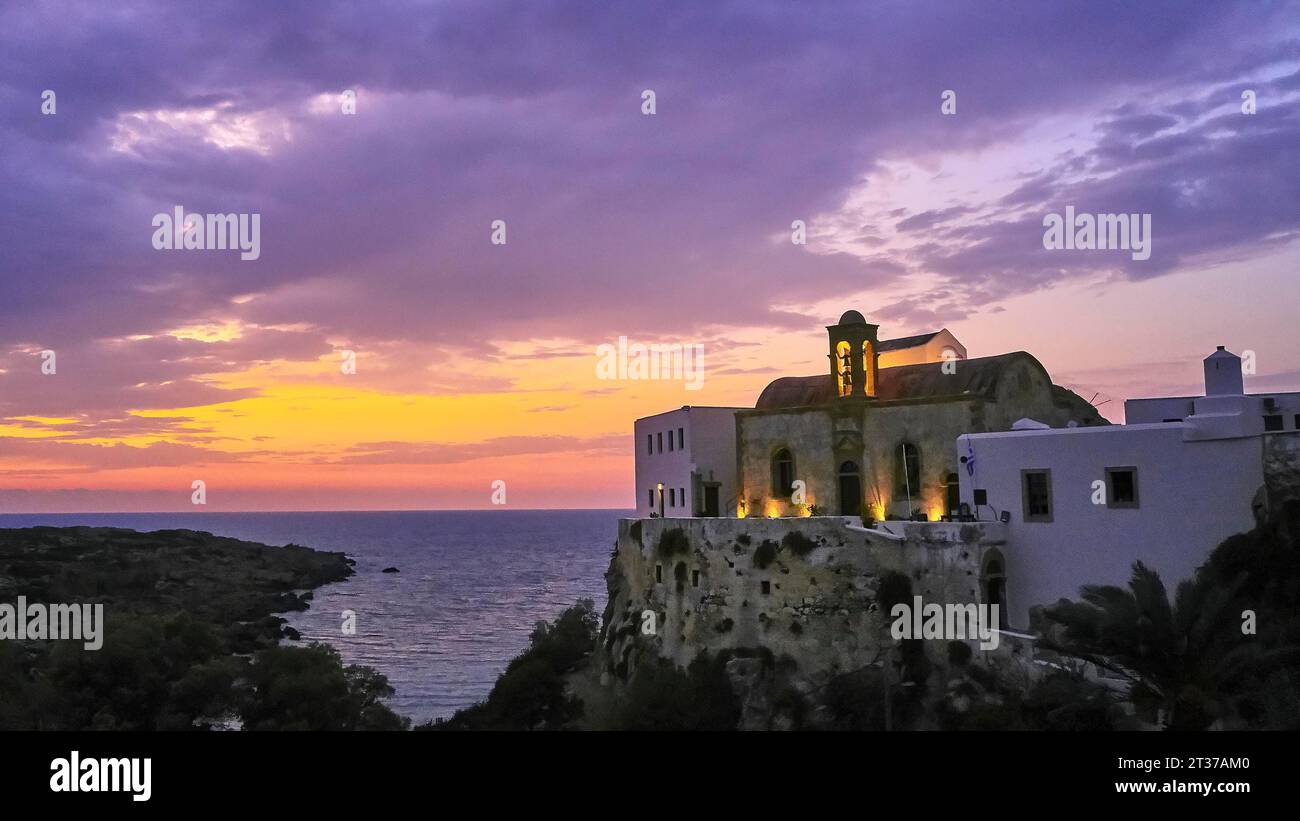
(360, 510)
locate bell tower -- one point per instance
(853, 356)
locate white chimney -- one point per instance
(1223, 374)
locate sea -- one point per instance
(470, 585)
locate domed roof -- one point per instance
(979, 376)
(852, 318)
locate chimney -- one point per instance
(1223, 374)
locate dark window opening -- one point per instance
(1273, 422)
(649, 443)
(1037, 487)
(1121, 487)
(681, 438)
(695, 578)
(670, 441)
(672, 497)
(767, 588)
(659, 574)
(660, 439)
(981, 497)
(651, 494)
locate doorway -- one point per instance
(711, 501)
(850, 489)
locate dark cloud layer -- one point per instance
(375, 226)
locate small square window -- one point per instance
(1273, 422)
(1122, 487)
(981, 496)
(1036, 486)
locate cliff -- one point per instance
(790, 606)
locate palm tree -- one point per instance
(1182, 657)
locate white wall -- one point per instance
(1191, 495)
(709, 447)
(1142, 411)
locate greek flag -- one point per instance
(970, 458)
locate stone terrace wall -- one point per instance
(819, 608)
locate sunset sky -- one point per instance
(477, 362)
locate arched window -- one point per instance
(907, 471)
(844, 368)
(782, 473)
(993, 585)
(867, 358)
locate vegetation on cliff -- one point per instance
(1184, 663)
(1225, 651)
(190, 639)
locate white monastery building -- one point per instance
(912, 428)
(1083, 504)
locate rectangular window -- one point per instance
(681, 494)
(1273, 422)
(981, 496)
(670, 441)
(660, 439)
(659, 574)
(1037, 492)
(672, 497)
(651, 494)
(767, 588)
(1121, 487)
(649, 443)
(695, 578)
(681, 439)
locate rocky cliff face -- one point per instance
(796, 602)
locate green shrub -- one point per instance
(530, 694)
(661, 696)
(673, 542)
(798, 544)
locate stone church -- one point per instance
(881, 441)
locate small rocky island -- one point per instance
(191, 636)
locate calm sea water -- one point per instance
(470, 588)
